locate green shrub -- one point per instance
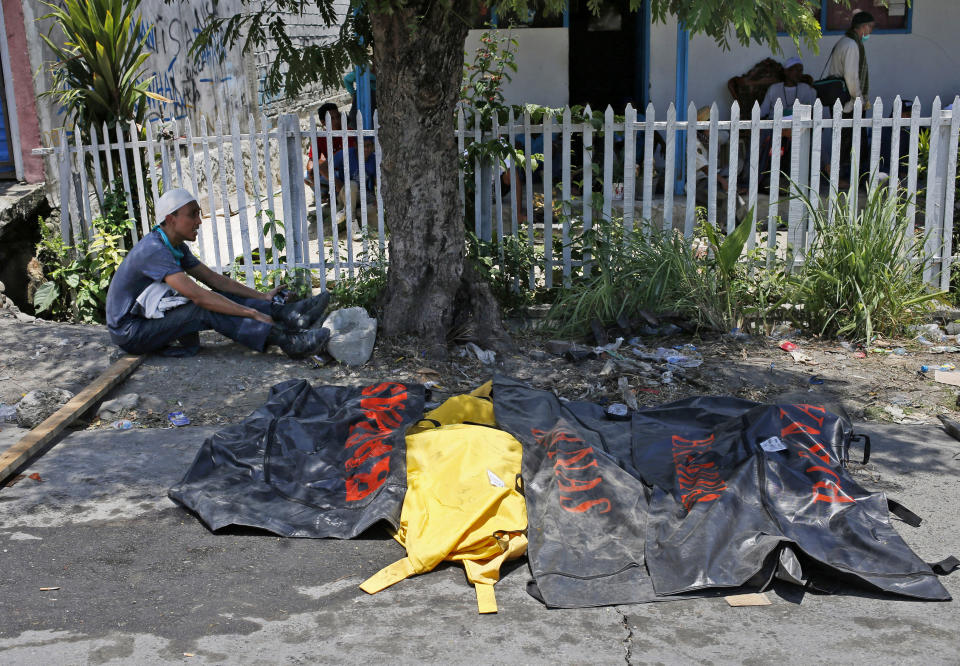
(864, 274)
(298, 280)
(77, 278)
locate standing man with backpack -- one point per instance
(848, 61)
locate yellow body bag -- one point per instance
(461, 501)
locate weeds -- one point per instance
(863, 276)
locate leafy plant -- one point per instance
(863, 275)
(366, 287)
(77, 281)
(506, 266)
(97, 78)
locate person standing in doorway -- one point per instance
(848, 61)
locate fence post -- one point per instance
(291, 175)
(799, 158)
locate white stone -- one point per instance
(37, 405)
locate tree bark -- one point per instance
(419, 65)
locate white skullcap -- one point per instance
(791, 62)
(171, 200)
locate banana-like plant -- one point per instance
(97, 77)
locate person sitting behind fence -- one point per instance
(703, 165)
(336, 145)
(152, 300)
(792, 89)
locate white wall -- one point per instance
(542, 75)
(924, 63)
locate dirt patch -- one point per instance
(225, 381)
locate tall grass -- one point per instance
(863, 276)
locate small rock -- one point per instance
(352, 335)
(24, 317)
(111, 408)
(558, 347)
(539, 355)
(953, 328)
(37, 405)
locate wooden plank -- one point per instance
(348, 191)
(648, 166)
(876, 120)
(211, 196)
(135, 145)
(893, 168)
(607, 164)
(629, 168)
(587, 185)
(225, 196)
(734, 162)
(239, 178)
(774, 201)
(97, 173)
(83, 208)
(816, 156)
(754, 184)
(265, 125)
(548, 198)
(331, 179)
(565, 196)
(201, 233)
(497, 192)
(122, 150)
(514, 184)
(33, 442)
(668, 168)
(712, 160)
(915, 114)
(381, 227)
(857, 124)
(950, 194)
(65, 217)
(834, 160)
(528, 189)
(691, 185)
(362, 187)
(932, 217)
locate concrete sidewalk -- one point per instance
(143, 581)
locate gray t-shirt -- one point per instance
(149, 260)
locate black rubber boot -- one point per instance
(301, 343)
(301, 314)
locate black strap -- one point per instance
(903, 513)
(946, 566)
(865, 439)
(829, 58)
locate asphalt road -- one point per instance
(143, 581)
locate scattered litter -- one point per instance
(800, 357)
(923, 341)
(931, 331)
(897, 415)
(627, 394)
(946, 367)
(900, 351)
(787, 346)
(35, 477)
(122, 424)
(846, 345)
(816, 379)
(608, 368)
(859, 354)
(485, 356)
(944, 349)
(189, 654)
(741, 600)
(773, 444)
(612, 347)
(737, 334)
(178, 419)
(39, 351)
(900, 400)
(667, 377)
(48, 589)
(8, 412)
(947, 377)
(618, 412)
(879, 350)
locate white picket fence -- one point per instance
(239, 175)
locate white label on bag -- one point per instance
(773, 444)
(495, 480)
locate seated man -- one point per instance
(139, 324)
(323, 170)
(790, 90)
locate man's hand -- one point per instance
(259, 316)
(273, 292)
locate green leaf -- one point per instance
(45, 296)
(730, 250)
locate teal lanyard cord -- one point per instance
(177, 254)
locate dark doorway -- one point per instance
(606, 55)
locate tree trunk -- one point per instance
(419, 65)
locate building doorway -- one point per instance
(607, 56)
